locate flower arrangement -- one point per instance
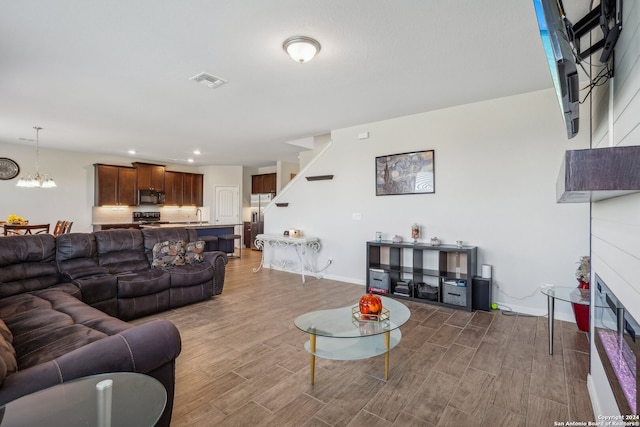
(15, 219)
(583, 273)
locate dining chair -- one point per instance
(57, 230)
(67, 227)
(17, 229)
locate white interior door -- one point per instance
(227, 209)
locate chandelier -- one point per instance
(37, 180)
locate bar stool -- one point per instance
(230, 239)
(211, 242)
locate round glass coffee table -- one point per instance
(340, 334)
(136, 400)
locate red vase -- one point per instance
(580, 311)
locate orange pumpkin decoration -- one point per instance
(370, 305)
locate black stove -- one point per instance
(147, 218)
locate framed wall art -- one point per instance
(405, 173)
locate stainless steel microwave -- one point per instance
(150, 197)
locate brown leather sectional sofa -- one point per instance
(63, 302)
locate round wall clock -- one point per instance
(8, 168)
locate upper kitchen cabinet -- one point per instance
(114, 185)
(150, 176)
(263, 183)
(183, 189)
(193, 189)
(173, 188)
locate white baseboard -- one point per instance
(595, 403)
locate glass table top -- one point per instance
(340, 323)
(569, 294)
(137, 399)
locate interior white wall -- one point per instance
(615, 224)
(222, 175)
(496, 164)
(319, 144)
(73, 197)
(74, 174)
(285, 170)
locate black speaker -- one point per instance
(481, 294)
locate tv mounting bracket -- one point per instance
(609, 9)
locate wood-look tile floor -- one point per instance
(243, 363)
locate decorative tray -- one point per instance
(361, 317)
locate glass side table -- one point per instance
(136, 400)
(563, 293)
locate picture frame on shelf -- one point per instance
(405, 173)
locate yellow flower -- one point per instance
(15, 219)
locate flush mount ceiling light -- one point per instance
(37, 180)
(301, 49)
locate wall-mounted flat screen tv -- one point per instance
(562, 63)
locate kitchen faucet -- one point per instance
(199, 215)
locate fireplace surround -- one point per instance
(617, 340)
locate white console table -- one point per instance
(300, 244)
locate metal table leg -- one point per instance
(312, 359)
(387, 344)
(550, 307)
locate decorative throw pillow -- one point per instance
(167, 253)
(193, 252)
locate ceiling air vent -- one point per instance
(209, 79)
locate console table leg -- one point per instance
(312, 348)
(300, 252)
(255, 270)
(387, 344)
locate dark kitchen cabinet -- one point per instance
(247, 234)
(183, 189)
(114, 185)
(114, 226)
(187, 189)
(263, 183)
(173, 188)
(196, 186)
(150, 176)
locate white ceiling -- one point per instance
(108, 76)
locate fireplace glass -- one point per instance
(617, 339)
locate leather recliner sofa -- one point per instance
(114, 270)
(60, 299)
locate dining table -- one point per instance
(21, 229)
